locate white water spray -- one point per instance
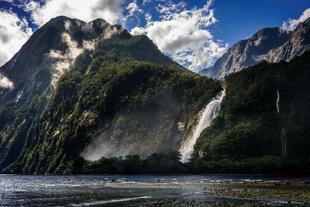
(206, 116)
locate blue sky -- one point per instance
(239, 19)
(195, 33)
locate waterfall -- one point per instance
(283, 131)
(206, 116)
(278, 100)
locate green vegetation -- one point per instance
(248, 128)
(246, 136)
(124, 91)
(135, 102)
(132, 164)
(127, 96)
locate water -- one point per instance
(16, 190)
(206, 116)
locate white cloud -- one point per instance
(86, 10)
(64, 60)
(5, 82)
(183, 34)
(31, 6)
(133, 8)
(146, 2)
(180, 32)
(14, 32)
(291, 24)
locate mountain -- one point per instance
(270, 44)
(263, 125)
(91, 98)
(90, 90)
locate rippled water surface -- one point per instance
(16, 190)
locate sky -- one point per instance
(194, 33)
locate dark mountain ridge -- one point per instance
(80, 84)
(85, 92)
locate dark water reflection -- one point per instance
(16, 190)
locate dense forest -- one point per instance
(124, 107)
(261, 103)
(124, 94)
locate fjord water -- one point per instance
(205, 118)
(17, 190)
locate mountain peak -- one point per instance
(53, 49)
(96, 25)
(268, 44)
(305, 23)
(63, 19)
(98, 21)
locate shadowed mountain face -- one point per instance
(53, 49)
(270, 44)
(265, 113)
(81, 91)
(92, 90)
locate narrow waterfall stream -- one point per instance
(283, 131)
(206, 116)
(278, 100)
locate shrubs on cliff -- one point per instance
(249, 124)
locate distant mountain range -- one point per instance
(269, 44)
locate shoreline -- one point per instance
(174, 175)
(147, 191)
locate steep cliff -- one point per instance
(87, 90)
(264, 113)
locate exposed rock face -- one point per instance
(270, 44)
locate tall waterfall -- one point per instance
(206, 116)
(278, 100)
(283, 131)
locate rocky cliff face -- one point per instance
(270, 44)
(89, 90)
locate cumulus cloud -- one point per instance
(179, 32)
(5, 82)
(14, 32)
(133, 8)
(183, 34)
(65, 59)
(110, 10)
(291, 24)
(31, 6)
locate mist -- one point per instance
(140, 132)
(65, 59)
(5, 82)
